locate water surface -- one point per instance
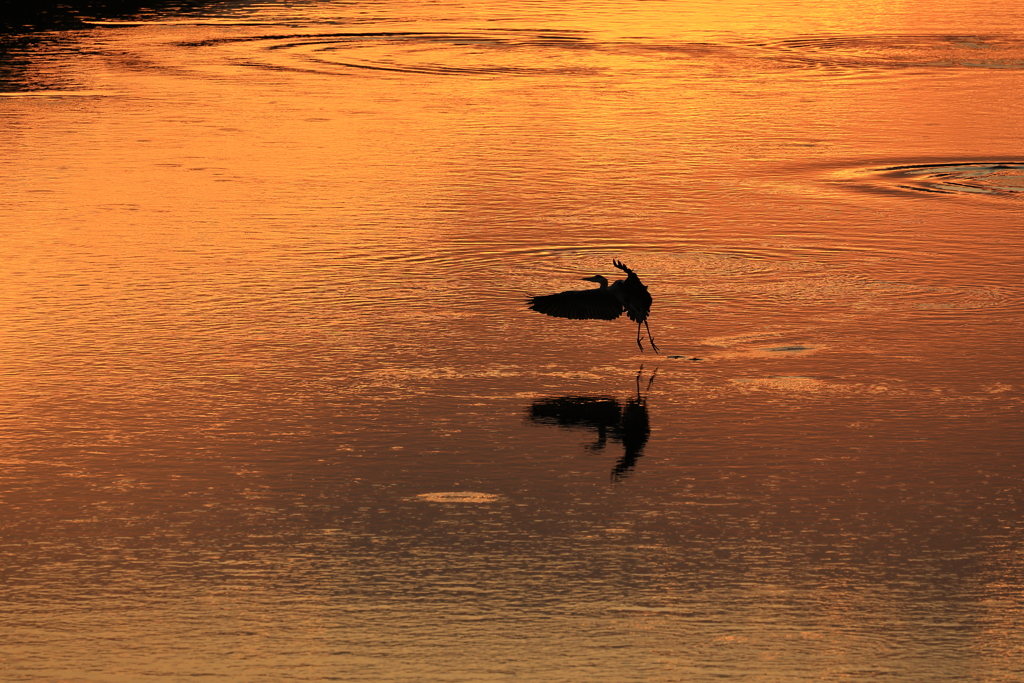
(274, 408)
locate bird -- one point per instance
(607, 302)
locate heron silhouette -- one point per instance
(607, 302)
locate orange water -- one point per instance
(274, 408)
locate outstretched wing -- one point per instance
(578, 304)
(623, 267)
(633, 294)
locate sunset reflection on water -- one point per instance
(274, 406)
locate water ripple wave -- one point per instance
(1004, 179)
(535, 52)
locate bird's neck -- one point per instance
(602, 280)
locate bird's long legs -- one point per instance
(649, 337)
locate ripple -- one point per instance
(901, 51)
(485, 53)
(997, 178)
(194, 21)
(566, 52)
(57, 93)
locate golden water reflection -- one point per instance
(274, 406)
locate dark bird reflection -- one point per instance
(607, 417)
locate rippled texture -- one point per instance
(1003, 179)
(275, 409)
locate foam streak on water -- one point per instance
(273, 407)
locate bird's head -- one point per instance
(599, 279)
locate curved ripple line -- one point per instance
(521, 51)
(1003, 179)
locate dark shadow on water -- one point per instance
(25, 16)
(38, 37)
(604, 416)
